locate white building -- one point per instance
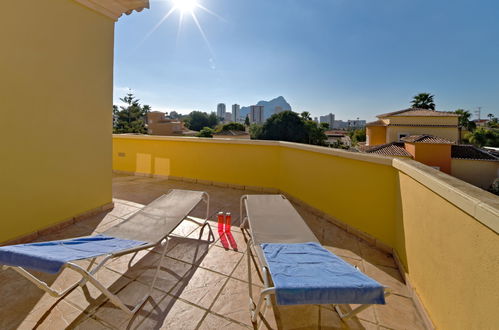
(256, 114)
(328, 119)
(356, 123)
(236, 112)
(340, 124)
(221, 110)
(227, 117)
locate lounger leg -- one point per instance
(346, 316)
(241, 205)
(42, 285)
(158, 267)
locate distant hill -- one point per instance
(268, 107)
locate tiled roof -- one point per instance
(377, 123)
(415, 112)
(463, 151)
(426, 138)
(389, 149)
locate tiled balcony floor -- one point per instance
(201, 285)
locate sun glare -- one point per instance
(185, 6)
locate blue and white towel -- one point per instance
(307, 273)
(50, 256)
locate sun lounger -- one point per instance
(294, 266)
(149, 227)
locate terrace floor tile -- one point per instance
(201, 285)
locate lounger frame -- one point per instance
(88, 274)
(268, 289)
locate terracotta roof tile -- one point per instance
(426, 138)
(389, 149)
(463, 151)
(415, 112)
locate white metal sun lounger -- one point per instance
(149, 227)
(294, 266)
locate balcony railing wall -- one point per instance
(443, 230)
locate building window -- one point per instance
(403, 135)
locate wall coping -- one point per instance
(478, 203)
(378, 159)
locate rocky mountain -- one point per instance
(268, 107)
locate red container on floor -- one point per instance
(221, 222)
(228, 220)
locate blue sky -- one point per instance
(354, 58)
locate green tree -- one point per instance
(130, 118)
(255, 131)
(284, 126)
(205, 132)
(464, 120)
(213, 120)
(197, 120)
(483, 137)
(231, 127)
(290, 126)
(247, 121)
(423, 101)
(490, 115)
(325, 126)
(357, 135)
(316, 133)
(306, 115)
(493, 123)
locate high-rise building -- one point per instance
(256, 114)
(228, 117)
(328, 119)
(236, 108)
(356, 123)
(221, 110)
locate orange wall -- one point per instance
(376, 134)
(431, 154)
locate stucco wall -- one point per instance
(433, 154)
(376, 135)
(449, 133)
(480, 173)
(420, 120)
(275, 165)
(56, 84)
(451, 258)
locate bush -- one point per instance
(206, 132)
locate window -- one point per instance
(403, 135)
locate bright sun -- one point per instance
(185, 6)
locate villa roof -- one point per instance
(416, 112)
(463, 151)
(388, 149)
(426, 138)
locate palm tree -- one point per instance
(490, 115)
(464, 119)
(423, 101)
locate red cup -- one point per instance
(221, 222)
(228, 220)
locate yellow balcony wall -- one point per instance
(444, 231)
(56, 84)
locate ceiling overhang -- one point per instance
(115, 8)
